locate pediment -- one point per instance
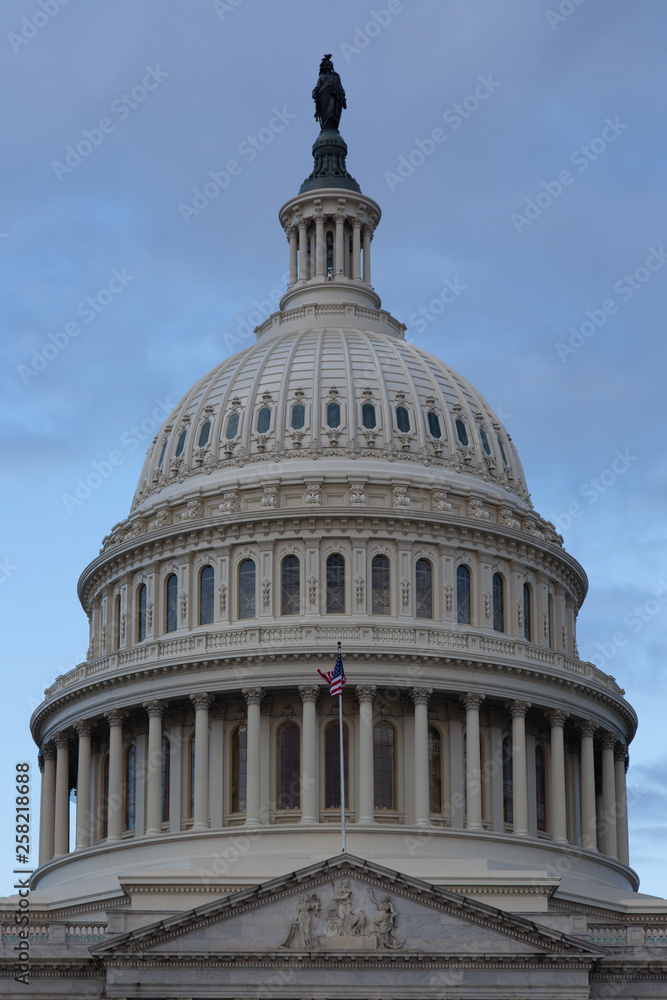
(346, 906)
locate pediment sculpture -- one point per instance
(347, 924)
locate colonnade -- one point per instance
(359, 268)
(603, 820)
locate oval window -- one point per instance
(180, 445)
(368, 415)
(434, 424)
(264, 420)
(402, 419)
(485, 441)
(298, 416)
(462, 432)
(333, 414)
(204, 433)
(232, 426)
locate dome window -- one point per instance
(333, 414)
(247, 575)
(204, 433)
(180, 444)
(498, 585)
(164, 448)
(485, 440)
(368, 416)
(298, 416)
(461, 432)
(264, 420)
(434, 424)
(402, 419)
(502, 452)
(232, 426)
(171, 593)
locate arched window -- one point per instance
(527, 614)
(330, 248)
(116, 622)
(171, 617)
(232, 425)
(332, 765)
(239, 754)
(333, 414)
(434, 769)
(247, 589)
(298, 416)
(180, 444)
(402, 419)
(289, 766)
(461, 432)
(206, 581)
(141, 613)
(434, 424)
(204, 433)
(485, 440)
(498, 603)
(264, 420)
(368, 416)
(541, 788)
(192, 751)
(104, 799)
(424, 589)
(164, 448)
(550, 621)
(165, 774)
(502, 451)
(380, 595)
(290, 586)
(130, 788)
(335, 585)
(508, 784)
(463, 595)
(384, 765)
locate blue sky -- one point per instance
(517, 149)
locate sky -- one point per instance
(517, 148)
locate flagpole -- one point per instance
(342, 766)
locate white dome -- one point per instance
(418, 410)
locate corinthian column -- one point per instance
(61, 844)
(620, 758)
(588, 816)
(518, 711)
(48, 816)
(558, 808)
(202, 703)
(366, 811)
(83, 728)
(473, 762)
(609, 842)
(154, 767)
(115, 799)
(309, 796)
(420, 698)
(253, 697)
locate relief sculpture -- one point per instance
(301, 929)
(347, 925)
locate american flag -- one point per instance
(335, 678)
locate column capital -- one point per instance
(253, 696)
(609, 740)
(557, 717)
(115, 716)
(48, 751)
(202, 700)
(471, 700)
(62, 739)
(518, 709)
(366, 692)
(620, 751)
(587, 727)
(155, 707)
(420, 696)
(83, 727)
(309, 692)
(40, 762)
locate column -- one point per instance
(202, 703)
(366, 807)
(303, 255)
(457, 796)
(320, 249)
(61, 830)
(253, 697)
(356, 249)
(473, 762)
(154, 767)
(420, 698)
(115, 800)
(42, 794)
(620, 758)
(48, 816)
(366, 244)
(83, 728)
(339, 218)
(518, 711)
(557, 803)
(588, 816)
(309, 792)
(609, 842)
(292, 233)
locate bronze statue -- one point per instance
(329, 96)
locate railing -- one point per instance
(84, 933)
(307, 635)
(9, 933)
(608, 935)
